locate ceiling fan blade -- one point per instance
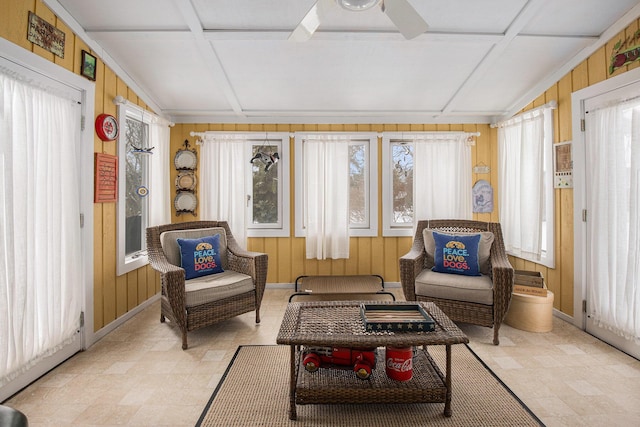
(311, 21)
(405, 17)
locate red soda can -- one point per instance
(399, 363)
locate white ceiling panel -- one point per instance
(486, 16)
(577, 17)
(340, 75)
(525, 62)
(232, 61)
(125, 15)
(172, 71)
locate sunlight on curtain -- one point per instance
(326, 197)
(41, 288)
(521, 179)
(223, 188)
(160, 196)
(613, 226)
(442, 173)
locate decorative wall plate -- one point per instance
(106, 127)
(186, 181)
(185, 201)
(185, 160)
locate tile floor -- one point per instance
(139, 375)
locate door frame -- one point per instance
(578, 99)
(25, 61)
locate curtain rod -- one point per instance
(292, 134)
(526, 114)
(120, 100)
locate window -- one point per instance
(143, 199)
(401, 154)
(417, 182)
(526, 185)
(268, 192)
(362, 180)
(252, 171)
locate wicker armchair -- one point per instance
(203, 301)
(484, 307)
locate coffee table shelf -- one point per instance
(329, 386)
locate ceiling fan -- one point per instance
(400, 12)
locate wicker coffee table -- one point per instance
(339, 324)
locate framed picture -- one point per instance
(88, 66)
(562, 165)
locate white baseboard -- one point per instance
(102, 332)
(564, 316)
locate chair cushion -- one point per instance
(215, 287)
(200, 257)
(169, 242)
(478, 289)
(484, 250)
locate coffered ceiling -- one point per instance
(232, 61)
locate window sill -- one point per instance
(132, 263)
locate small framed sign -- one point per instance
(88, 65)
(45, 35)
(562, 165)
(106, 178)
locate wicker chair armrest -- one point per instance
(254, 264)
(171, 276)
(244, 261)
(502, 276)
(411, 264)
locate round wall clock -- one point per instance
(106, 127)
(185, 159)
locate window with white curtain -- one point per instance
(336, 186)
(425, 175)
(244, 180)
(526, 201)
(143, 188)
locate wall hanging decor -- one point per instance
(88, 65)
(481, 168)
(106, 127)
(45, 35)
(482, 197)
(106, 178)
(185, 162)
(625, 52)
(562, 165)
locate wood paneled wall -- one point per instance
(368, 255)
(560, 280)
(114, 296)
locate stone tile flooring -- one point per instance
(139, 375)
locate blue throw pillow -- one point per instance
(457, 254)
(200, 257)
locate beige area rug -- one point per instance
(255, 392)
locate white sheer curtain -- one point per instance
(41, 289)
(160, 194)
(613, 225)
(442, 176)
(223, 182)
(521, 179)
(326, 197)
